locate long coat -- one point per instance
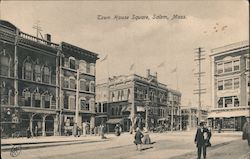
(138, 137)
(199, 137)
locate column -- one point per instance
(43, 126)
(31, 124)
(56, 125)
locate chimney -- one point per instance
(47, 37)
(148, 72)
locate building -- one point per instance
(123, 99)
(39, 83)
(230, 86)
(189, 115)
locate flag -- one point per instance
(105, 58)
(161, 64)
(131, 67)
(174, 70)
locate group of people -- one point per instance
(29, 134)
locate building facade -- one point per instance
(189, 117)
(39, 83)
(125, 99)
(230, 86)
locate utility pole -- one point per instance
(77, 98)
(38, 29)
(200, 90)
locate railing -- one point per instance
(231, 46)
(38, 40)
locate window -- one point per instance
(27, 71)
(105, 107)
(27, 98)
(228, 84)
(236, 65)
(228, 101)
(37, 98)
(66, 82)
(228, 67)
(47, 101)
(4, 63)
(66, 102)
(220, 103)
(236, 83)
(72, 103)
(72, 63)
(84, 105)
(82, 85)
(92, 86)
(72, 82)
(220, 68)
(88, 68)
(220, 85)
(247, 63)
(46, 74)
(37, 73)
(236, 102)
(99, 107)
(82, 66)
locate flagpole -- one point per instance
(177, 78)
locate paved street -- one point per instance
(167, 145)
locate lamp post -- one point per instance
(146, 114)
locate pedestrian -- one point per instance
(246, 131)
(102, 131)
(36, 131)
(117, 130)
(219, 128)
(28, 132)
(138, 137)
(95, 130)
(200, 140)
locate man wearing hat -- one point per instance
(200, 140)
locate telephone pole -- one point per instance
(199, 57)
(38, 29)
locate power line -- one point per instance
(199, 57)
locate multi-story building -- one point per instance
(189, 116)
(39, 80)
(123, 99)
(230, 86)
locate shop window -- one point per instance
(220, 85)
(236, 83)
(28, 71)
(46, 74)
(228, 101)
(228, 67)
(4, 64)
(236, 64)
(72, 63)
(228, 84)
(220, 68)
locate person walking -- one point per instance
(246, 131)
(28, 132)
(200, 140)
(138, 137)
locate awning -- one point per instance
(229, 114)
(162, 119)
(115, 121)
(101, 116)
(140, 109)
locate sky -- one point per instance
(143, 43)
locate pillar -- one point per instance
(31, 124)
(43, 126)
(92, 121)
(56, 125)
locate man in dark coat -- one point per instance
(200, 141)
(138, 137)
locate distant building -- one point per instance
(38, 81)
(123, 100)
(230, 86)
(189, 116)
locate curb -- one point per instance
(45, 144)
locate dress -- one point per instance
(138, 137)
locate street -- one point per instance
(165, 145)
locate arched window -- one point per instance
(82, 66)
(37, 98)
(46, 74)
(82, 84)
(4, 64)
(72, 82)
(46, 100)
(92, 68)
(66, 82)
(72, 62)
(83, 104)
(37, 73)
(92, 86)
(27, 97)
(28, 70)
(72, 103)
